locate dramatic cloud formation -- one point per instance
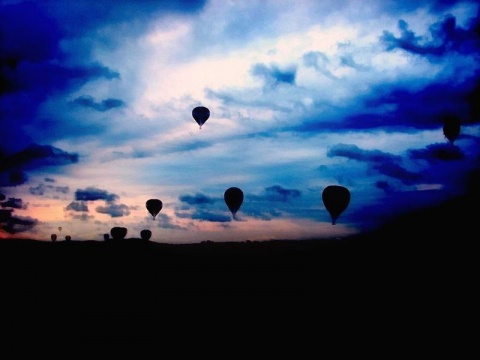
(96, 114)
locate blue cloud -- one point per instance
(93, 194)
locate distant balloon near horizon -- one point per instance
(106, 236)
(233, 197)
(53, 237)
(335, 199)
(451, 128)
(201, 115)
(59, 228)
(154, 206)
(118, 232)
(145, 234)
(68, 238)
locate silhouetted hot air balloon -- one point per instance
(118, 233)
(451, 128)
(68, 238)
(201, 115)
(154, 206)
(336, 199)
(145, 234)
(106, 237)
(59, 228)
(53, 237)
(233, 197)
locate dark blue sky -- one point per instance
(96, 115)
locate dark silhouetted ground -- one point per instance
(415, 280)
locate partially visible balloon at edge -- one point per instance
(451, 128)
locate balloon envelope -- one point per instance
(154, 206)
(335, 199)
(201, 115)
(118, 232)
(233, 197)
(145, 234)
(68, 238)
(53, 237)
(451, 128)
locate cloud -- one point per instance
(114, 210)
(14, 166)
(41, 189)
(14, 203)
(79, 206)
(197, 199)
(438, 152)
(445, 36)
(166, 222)
(102, 106)
(278, 193)
(273, 76)
(93, 193)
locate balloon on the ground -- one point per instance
(201, 115)
(53, 237)
(145, 234)
(154, 206)
(118, 232)
(233, 197)
(335, 199)
(68, 238)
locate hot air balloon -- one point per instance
(106, 237)
(59, 228)
(154, 206)
(53, 237)
(233, 198)
(451, 128)
(118, 233)
(336, 199)
(145, 234)
(201, 115)
(68, 238)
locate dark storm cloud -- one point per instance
(78, 206)
(445, 36)
(114, 210)
(104, 105)
(273, 76)
(438, 152)
(196, 199)
(93, 193)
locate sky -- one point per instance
(96, 101)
